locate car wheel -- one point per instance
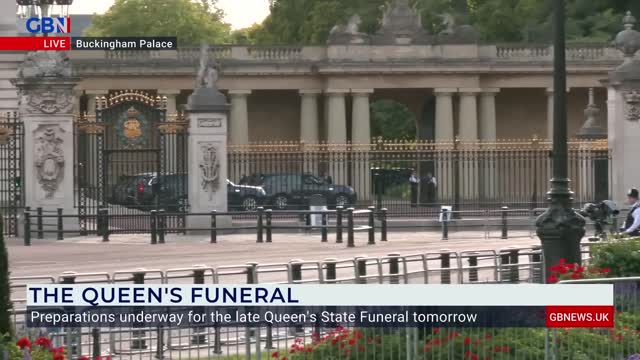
(280, 202)
(249, 203)
(342, 200)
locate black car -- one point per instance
(286, 190)
(129, 189)
(171, 194)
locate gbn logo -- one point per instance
(47, 25)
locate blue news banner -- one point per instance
(327, 316)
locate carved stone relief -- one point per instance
(47, 101)
(209, 169)
(49, 158)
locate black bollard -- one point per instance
(372, 226)
(473, 267)
(214, 228)
(259, 226)
(339, 210)
(199, 333)
(153, 220)
(383, 225)
(60, 226)
(504, 266)
(162, 222)
(324, 227)
(269, 217)
(138, 341)
(361, 270)
(39, 225)
(105, 225)
(445, 225)
(27, 228)
(445, 265)
(350, 231)
(514, 271)
(394, 268)
(505, 233)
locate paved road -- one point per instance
(127, 252)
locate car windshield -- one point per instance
(312, 180)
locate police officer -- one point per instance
(632, 224)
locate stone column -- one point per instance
(468, 121)
(46, 108)
(207, 112)
(488, 134)
(309, 119)
(361, 139)
(8, 12)
(172, 95)
(336, 164)
(337, 117)
(488, 114)
(468, 132)
(239, 124)
(92, 95)
(444, 114)
(310, 129)
(171, 140)
(444, 134)
(549, 93)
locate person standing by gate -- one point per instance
(632, 224)
(414, 182)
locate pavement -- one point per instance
(128, 252)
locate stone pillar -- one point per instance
(549, 93)
(171, 140)
(488, 114)
(8, 12)
(445, 134)
(468, 134)
(207, 112)
(239, 124)
(46, 108)
(361, 139)
(310, 129)
(172, 95)
(444, 114)
(488, 134)
(336, 164)
(92, 95)
(337, 117)
(468, 121)
(309, 119)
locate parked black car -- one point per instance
(128, 189)
(285, 190)
(171, 194)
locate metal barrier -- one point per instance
(259, 342)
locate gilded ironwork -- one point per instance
(132, 128)
(87, 124)
(175, 124)
(133, 96)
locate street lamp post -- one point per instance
(42, 8)
(560, 228)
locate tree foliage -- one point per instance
(309, 21)
(5, 290)
(392, 120)
(191, 22)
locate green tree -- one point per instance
(191, 22)
(392, 120)
(5, 290)
(246, 36)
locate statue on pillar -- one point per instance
(38, 64)
(349, 33)
(208, 73)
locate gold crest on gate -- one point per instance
(132, 128)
